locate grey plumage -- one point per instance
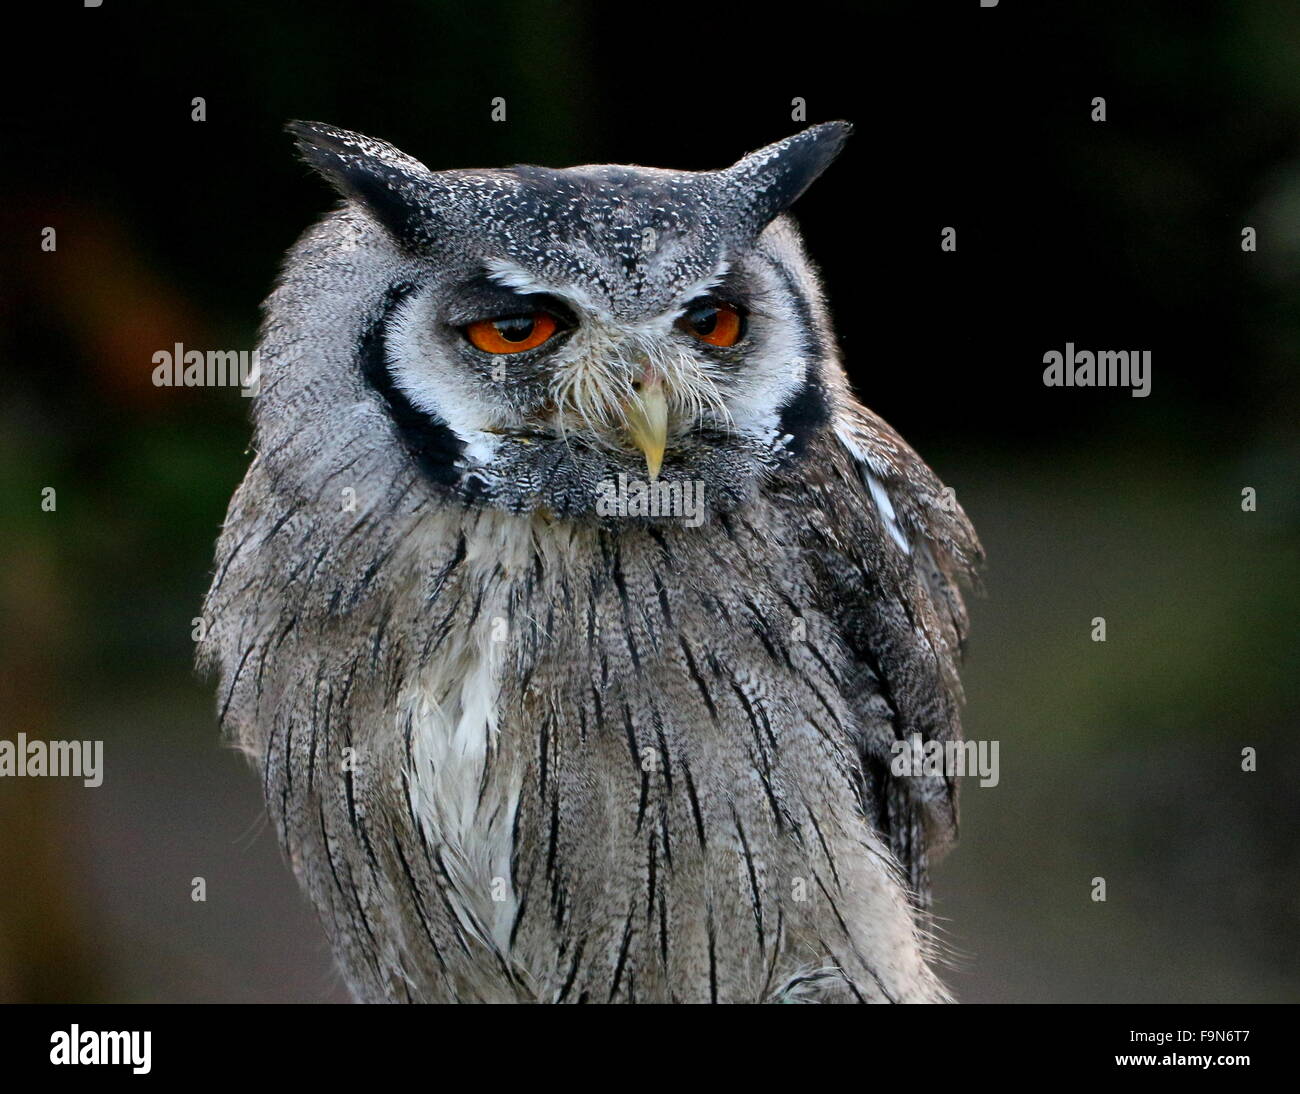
(517, 748)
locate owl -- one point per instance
(572, 609)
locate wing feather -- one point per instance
(891, 549)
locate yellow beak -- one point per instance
(646, 416)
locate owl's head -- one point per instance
(530, 334)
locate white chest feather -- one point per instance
(463, 789)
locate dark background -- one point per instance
(1119, 760)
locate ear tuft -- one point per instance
(394, 187)
(766, 183)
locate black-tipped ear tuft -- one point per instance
(766, 183)
(396, 188)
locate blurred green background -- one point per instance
(1120, 760)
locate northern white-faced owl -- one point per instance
(572, 606)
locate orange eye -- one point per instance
(511, 334)
(713, 322)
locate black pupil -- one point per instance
(704, 320)
(515, 329)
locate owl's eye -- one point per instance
(714, 322)
(512, 333)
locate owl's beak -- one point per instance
(646, 419)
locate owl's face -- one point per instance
(539, 332)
